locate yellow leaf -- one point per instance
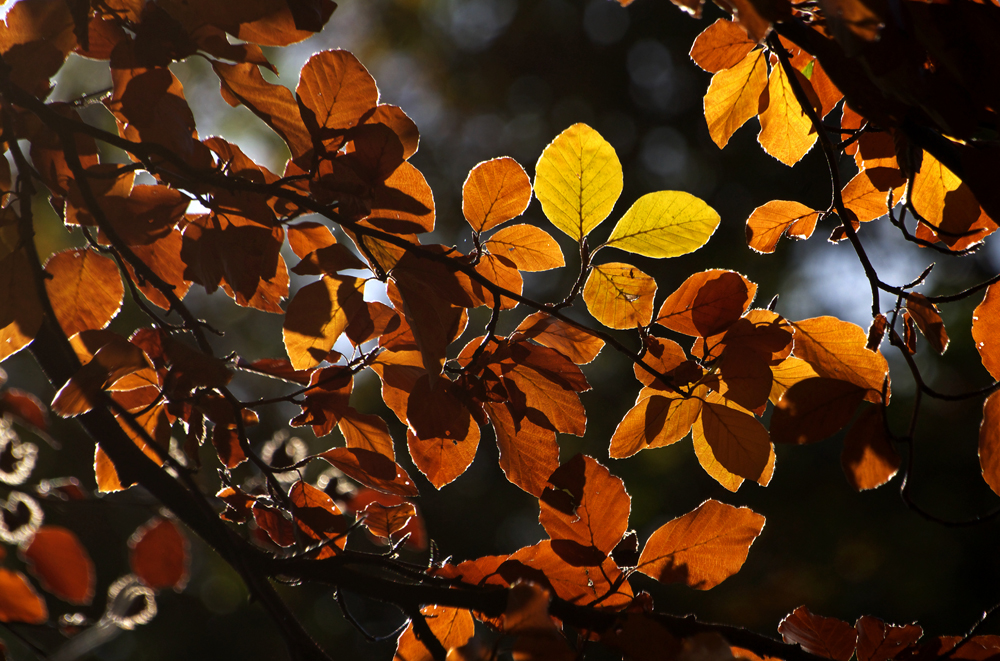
(620, 295)
(785, 131)
(665, 224)
(733, 96)
(578, 179)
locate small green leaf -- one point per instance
(665, 224)
(578, 179)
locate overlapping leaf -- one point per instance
(733, 96)
(495, 192)
(620, 295)
(665, 224)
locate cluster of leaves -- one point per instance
(381, 300)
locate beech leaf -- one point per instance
(665, 224)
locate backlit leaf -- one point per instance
(702, 548)
(318, 517)
(581, 585)
(336, 88)
(786, 132)
(388, 521)
(836, 349)
(989, 442)
(159, 555)
(721, 45)
(318, 315)
(578, 179)
(665, 224)
(453, 627)
(928, 320)
(528, 452)
(620, 295)
(111, 362)
(707, 303)
(85, 289)
(823, 636)
(372, 469)
(575, 343)
(813, 410)
(62, 565)
(786, 374)
(494, 192)
(442, 435)
(770, 221)
(986, 330)
(733, 96)
(654, 422)
(19, 602)
(879, 641)
(744, 377)
(867, 201)
(366, 431)
(20, 310)
(738, 441)
(529, 247)
(400, 123)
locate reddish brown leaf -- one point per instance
(336, 89)
(501, 272)
(453, 627)
(23, 407)
(111, 362)
(702, 548)
(388, 521)
(928, 320)
(366, 431)
(986, 330)
(737, 440)
(530, 248)
(400, 123)
(528, 452)
(770, 221)
(707, 303)
(989, 442)
(62, 565)
(159, 555)
(744, 377)
(581, 585)
(813, 410)
(318, 315)
(20, 310)
(878, 641)
(317, 516)
(414, 529)
(85, 289)
(721, 45)
(654, 422)
(869, 460)
(836, 349)
(19, 602)
(823, 636)
(494, 192)
(575, 343)
(280, 530)
(372, 469)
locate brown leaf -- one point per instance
(19, 602)
(620, 295)
(400, 123)
(318, 517)
(372, 469)
(878, 641)
(453, 627)
(159, 555)
(744, 376)
(836, 349)
(986, 330)
(111, 362)
(989, 442)
(702, 548)
(575, 343)
(494, 192)
(318, 315)
(770, 221)
(528, 452)
(530, 248)
(336, 90)
(388, 521)
(581, 585)
(62, 565)
(707, 303)
(823, 636)
(20, 310)
(734, 95)
(654, 422)
(721, 45)
(85, 289)
(928, 320)
(738, 441)
(813, 410)
(273, 521)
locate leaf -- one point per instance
(813, 410)
(318, 517)
(318, 315)
(869, 460)
(733, 96)
(786, 374)
(20, 310)
(578, 179)
(442, 435)
(494, 192)
(702, 548)
(878, 641)
(580, 585)
(620, 295)
(986, 330)
(85, 289)
(585, 504)
(786, 132)
(823, 636)
(707, 303)
(62, 565)
(770, 221)
(665, 224)
(654, 422)
(274, 522)
(738, 441)
(836, 349)
(336, 89)
(989, 442)
(387, 521)
(453, 627)
(867, 201)
(400, 123)
(111, 362)
(366, 431)
(159, 555)
(372, 469)
(721, 45)
(529, 453)
(575, 343)
(529, 247)
(19, 602)
(928, 320)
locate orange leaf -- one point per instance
(786, 374)
(85, 289)
(19, 602)
(654, 422)
(813, 410)
(586, 505)
(721, 45)
(280, 530)
(575, 343)
(928, 320)
(386, 521)
(744, 377)
(453, 627)
(308, 237)
(528, 452)
(733, 96)
(372, 469)
(159, 555)
(548, 382)
(986, 330)
(620, 295)
(20, 310)
(400, 123)
(581, 585)
(317, 516)
(770, 221)
(501, 272)
(785, 130)
(867, 200)
(530, 248)
(836, 349)
(111, 362)
(317, 316)
(366, 431)
(989, 442)
(336, 89)
(823, 636)
(738, 441)
(62, 565)
(442, 436)
(494, 192)
(878, 641)
(664, 356)
(869, 460)
(707, 303)
(702, 548)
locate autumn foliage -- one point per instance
(160, 210)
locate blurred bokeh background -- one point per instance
(486, 78)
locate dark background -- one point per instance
(485, 78)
